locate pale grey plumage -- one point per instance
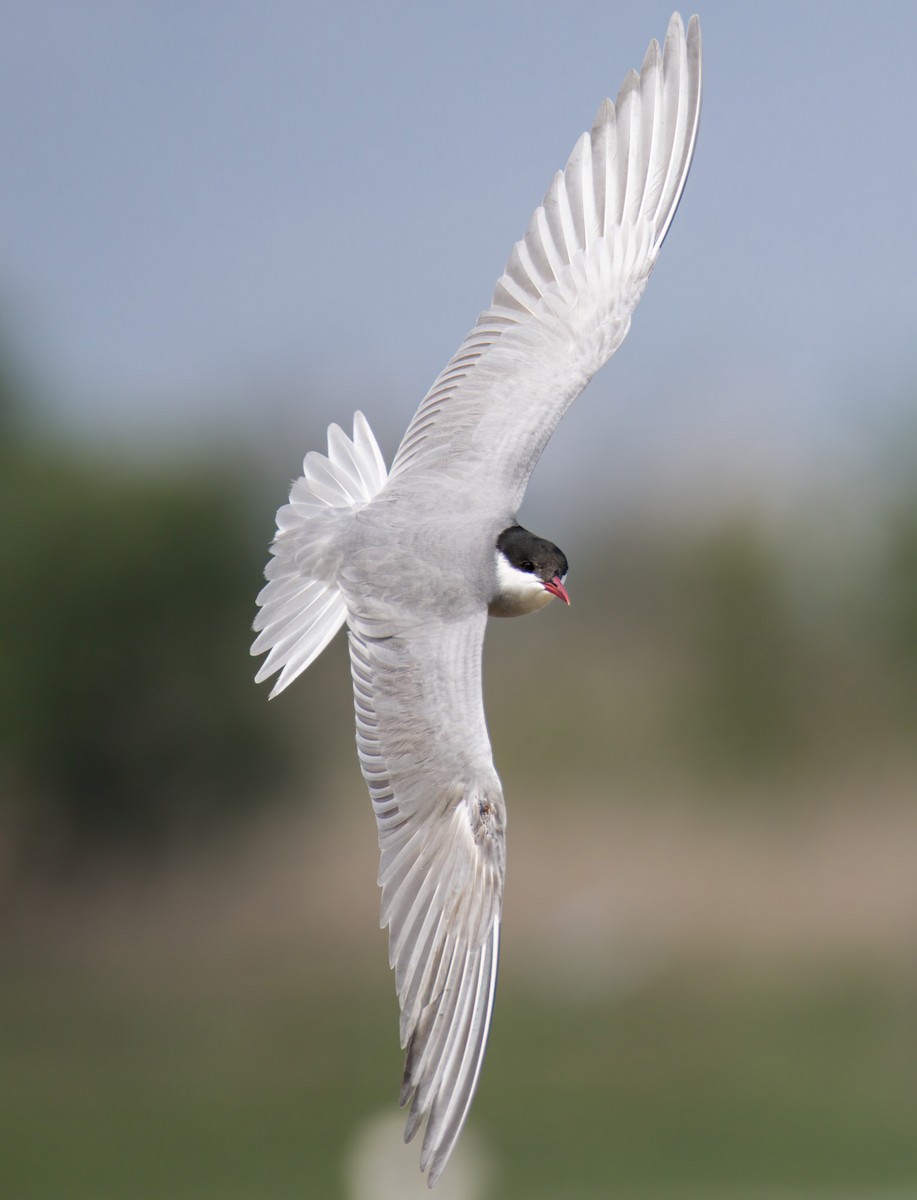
(441, 820)
(408, 560)
(564, 303)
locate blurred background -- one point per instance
(224, 226)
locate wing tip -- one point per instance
(443, 1127)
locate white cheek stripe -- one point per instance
(514, 583)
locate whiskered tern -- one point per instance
(414, 560)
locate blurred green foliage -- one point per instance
(692, 1086)
(899, 591)
(745, 709)
(127, 710)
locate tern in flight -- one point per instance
(414, 560)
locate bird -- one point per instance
(415, 558)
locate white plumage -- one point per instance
(408, 560)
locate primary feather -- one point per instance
(441, 837)
(564, 302)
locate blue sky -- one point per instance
(227, 220)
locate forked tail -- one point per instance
(299, 613)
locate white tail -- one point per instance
(300, 614)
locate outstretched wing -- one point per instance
(564, 303)
(426, 758)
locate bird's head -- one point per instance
(530, 572)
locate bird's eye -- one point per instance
(527, 566)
